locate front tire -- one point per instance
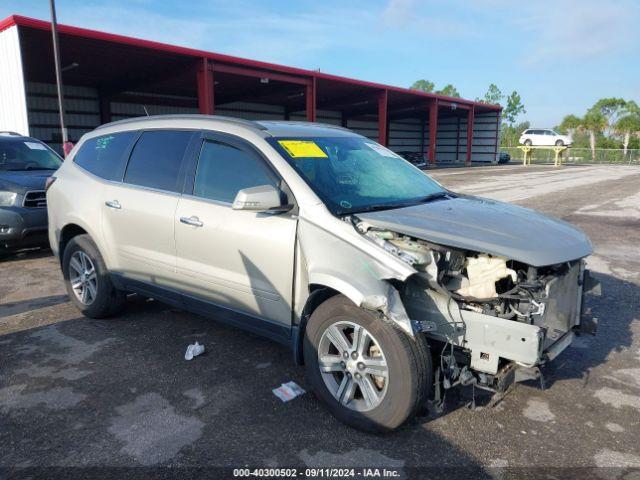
(369, 373)
(87, 279)
(559, 143)
(528, 143)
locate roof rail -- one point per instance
(266, 124)
(9, 133)
(156, 118)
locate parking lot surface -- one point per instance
(118, 392)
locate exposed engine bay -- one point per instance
(490, 314)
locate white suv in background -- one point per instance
(544, 137)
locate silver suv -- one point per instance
(389, 288)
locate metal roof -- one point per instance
(35, 24)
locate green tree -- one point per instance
(570, 124)
(510, 134)
(423, 85)
(493, 96)
(594, 122)
(611, 109)
(514, 108)
(449, 90)
(626, 127)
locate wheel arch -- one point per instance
(318, 293)
(384, 299)
(69, 231)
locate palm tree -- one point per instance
(627, 126)
(594, 122)
(570, 124)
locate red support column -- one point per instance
(433, 130)
(383, 98)
(311, 100)
(206, 103)
(470, 118)
(458, 139)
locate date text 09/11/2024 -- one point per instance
(325, 472)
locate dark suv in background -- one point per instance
(25, 165)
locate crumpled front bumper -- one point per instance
(491, 339)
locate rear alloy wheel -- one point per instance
(88, 281)
(369, 373)
(83, 278)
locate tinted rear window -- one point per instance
(104, 156)
(156, 160)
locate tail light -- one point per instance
(48, 182)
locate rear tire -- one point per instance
(397, 396)
(87, 279)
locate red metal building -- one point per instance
(109, 77)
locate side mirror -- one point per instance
(260, 199)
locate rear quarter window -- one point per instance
(104, 156)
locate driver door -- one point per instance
(238, 259)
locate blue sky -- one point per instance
(561, 56)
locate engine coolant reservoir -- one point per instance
(483, 272)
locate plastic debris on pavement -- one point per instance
(288, 391)
(193, 351)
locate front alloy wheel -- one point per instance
(367, 371)
(83, 278)
(353, 366)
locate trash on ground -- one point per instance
(193, 351)
(288, 391)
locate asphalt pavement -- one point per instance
(77, 393)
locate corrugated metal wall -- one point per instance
(409, 135)
(451, 139)
(486, 137)
(406, 135)
(82, 112)
(13, 103)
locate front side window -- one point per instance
(103, 156)
(22, 155)
(354, 174)
(223, 170)
(156, 159)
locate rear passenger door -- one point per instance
(138, 213)
(241, 260)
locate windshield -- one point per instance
(21, 155)
(355, 174)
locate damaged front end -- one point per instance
(495, 320)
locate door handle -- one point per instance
(113, 204)
(193, 221)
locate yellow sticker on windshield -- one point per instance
(302, 149)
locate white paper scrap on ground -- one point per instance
(193, 351)
(288, 391)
